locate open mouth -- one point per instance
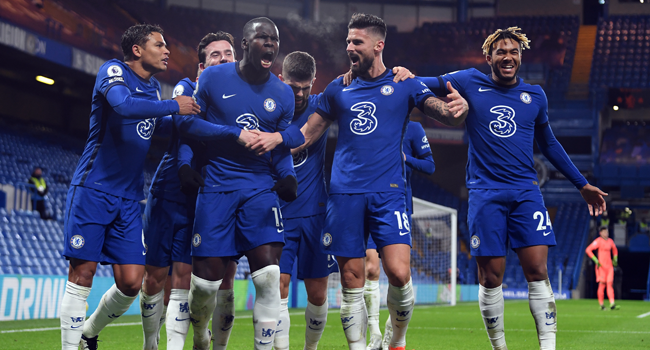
(354, 58)
(508, 68)
(165, 61)
(267, 60)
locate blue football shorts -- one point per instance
(497, 218)
(302, 239)
(167, 227)
(231, 223)
(103, 228)
(351, 218)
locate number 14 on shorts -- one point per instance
(402, 222)
(538, 215)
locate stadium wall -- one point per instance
(539, 8)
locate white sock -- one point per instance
(490, 300)
(151, 307)
(178, 318)
(316, 319)
(281, 341)
(113, 304)
(400, 303)
(354, 318)
(202, 299)
(223, 318)
(372, 298)
(73, 315)
(266, 310)
(163, 316)
(542, 305)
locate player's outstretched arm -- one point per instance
(119, 97)
(452, 113)
(594, 198)
(312, 130)
(401, 74)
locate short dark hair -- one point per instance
(212, 37)
(137, 35)
(248, 27)
(602, 228)
(299, 66)
(366, 21)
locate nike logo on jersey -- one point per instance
(184, 319)
(483, 90)
(229, 96)
(403, 233)
(144, 253)
(547, 233)
(348, 89)
(138, 89)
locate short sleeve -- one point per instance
(420, 143)
(109, 75)
(182, 89)
(419, 93)
(326, 102)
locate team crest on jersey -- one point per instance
(269, 105)
(178, 91)
(300, 158)
(504, 125)
(365, 122)
(146, 127)
(387, 90)
(114, 71)
(475, 241)
(77, 241)
(196, 240)
(525, 98)
(248, 121)
(327, 239)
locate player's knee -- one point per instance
(399, 277)
(352, 278)
(317, 298)
(372, 272)
(152, 285)
(129, 287)
(226, 284)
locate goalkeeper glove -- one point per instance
(190, 179)
(615, 262)
(286, 188)
(595, 259)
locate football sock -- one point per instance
(490, 300)
(223, 318)
(163, 316)
(151, 307)
(113, 304)
(354, 318)
(601, 293)
(542, 306)
(73, 315)
(315, 319)
(372, 299)
(202, 299)
(610, 292)
(400, 303)
(266, 310)
(178, 319)
(281, 341)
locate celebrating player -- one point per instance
(168, 221)
(367, 194)
(604, 266)
(236, 211)
(505, 203)
(417, 156)
(103, 221)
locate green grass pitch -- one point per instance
(581, 325)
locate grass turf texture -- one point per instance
(581, 326)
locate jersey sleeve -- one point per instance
(419, 93)
(419, 141)
(326, 102)
(590, 248)
(614, 249)
(109, 75)
(458, 79)
(182, 89)
(201, 94)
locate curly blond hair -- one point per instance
(510, 33)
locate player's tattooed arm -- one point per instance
(452, 113)
(313, 129)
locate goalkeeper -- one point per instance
(604, 266)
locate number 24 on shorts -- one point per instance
(538, 215)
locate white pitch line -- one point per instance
(643, 315)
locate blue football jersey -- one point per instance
(372, 116)
(165, 183)
(114, 155)
(309, 165)
(501, 129)
(415, 145)
(226, 99)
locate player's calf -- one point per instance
(281, 341)
(354, 318)
(316, 319)
(266, 311)
(113, 304)
(542, 305)
(202, 299)
(177, 323)
(372, 299)
(490, 301)
(400, 304)
(73, 315)
(151, 307)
